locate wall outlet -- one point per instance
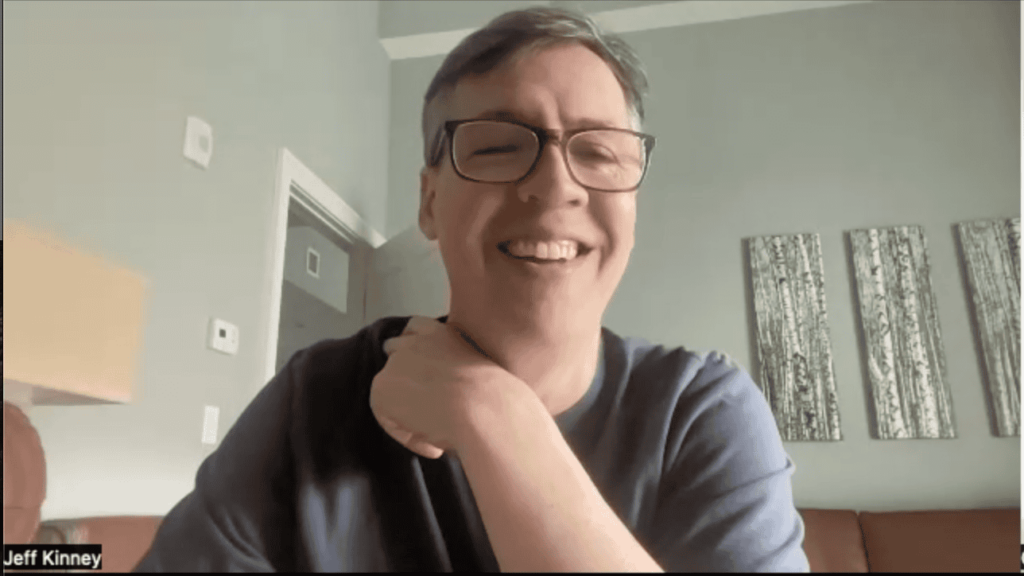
(210, 415)
(223, 336)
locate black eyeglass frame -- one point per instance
(543, 137)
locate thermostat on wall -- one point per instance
(223, 336)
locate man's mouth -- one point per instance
(543, 252)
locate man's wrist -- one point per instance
(502, 406)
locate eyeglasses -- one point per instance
(503, 152)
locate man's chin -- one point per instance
(549, 313)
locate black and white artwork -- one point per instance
(903, 343)
(793, 343)
(991, 251)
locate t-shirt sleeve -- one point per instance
(236, 519)
(726, 500)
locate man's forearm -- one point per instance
(540, 508)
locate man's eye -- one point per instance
(597, 153)
(595, 156)
(496, 150)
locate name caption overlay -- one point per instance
(53, 556)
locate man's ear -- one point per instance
(428, 193)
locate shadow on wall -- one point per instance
(407, 278)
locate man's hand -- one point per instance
(432, 380)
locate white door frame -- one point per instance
(297, 182)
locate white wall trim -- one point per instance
(297, 182)
(648, 17)
(702, 11)
(420, 45)
(294, 173)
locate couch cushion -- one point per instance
(832, 541)
(125, 539)
(942, 540)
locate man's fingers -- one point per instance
(417, 326)
(411, 441)
(401, 435)
(392, 344)
(425, 449)
(421, 325)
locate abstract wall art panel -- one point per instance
(899, 320)
(991, 251)
(793, 344)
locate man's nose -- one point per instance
(551, 182)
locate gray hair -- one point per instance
(511, 36)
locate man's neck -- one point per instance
(559, 368)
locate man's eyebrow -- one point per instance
(504, 114)
(499, 114)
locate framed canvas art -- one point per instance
(793, 344)
(991, 253)
(903, 343)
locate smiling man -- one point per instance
(516, 433)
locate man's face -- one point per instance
(559, 88)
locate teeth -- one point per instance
(565, 250)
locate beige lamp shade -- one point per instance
(72, 322)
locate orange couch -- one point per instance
(835, 540)
(983, 540)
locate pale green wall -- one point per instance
(95, 101)
(815, 121)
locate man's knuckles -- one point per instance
(447, 346)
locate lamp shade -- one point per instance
(73, 322)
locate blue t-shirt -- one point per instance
(682, 446)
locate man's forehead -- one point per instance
(583, 107)
(571, 122)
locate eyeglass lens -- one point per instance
(502, 152)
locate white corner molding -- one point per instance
(295, 174)
(647, 17)
(420, 45)
(690, 12)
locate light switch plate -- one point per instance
(210, 416)
(198, 141)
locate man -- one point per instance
(515, 433)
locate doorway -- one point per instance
(321, 252)
(323, 292)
